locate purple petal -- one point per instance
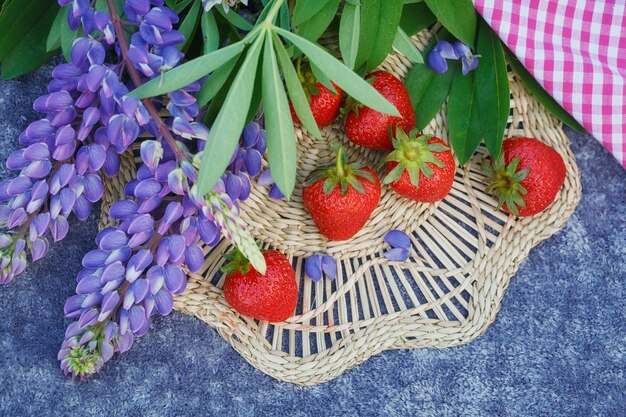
(156, 278)
(37, 169)
(88, 285)
(329, 266)
(174, 278)
(110, 301)
(39, 248)
(265, 178)
(194, 258)
(275, 193)
(147, 188)
(113, 272)
(88, 317)
(313, 267)
(208, 231)
(59, 228)
(397, 239)
(112, 163)
(82, 208)
(17, 161)
(110, 330)
(140, 288)
(164, 302)
(123, 209)
(124, 320)
(93, 187)
(73, 304)
(114, 240)
(67, 200)
(137, 264)
(141, 223)
(124, 342)
(252, 161)
(176, 246)
(436, 62)
(92, 300)
(94, 259)
(251, 134)
(397, 254)
(62, 177)
(173, 212)
(17, 218)
(19, 185)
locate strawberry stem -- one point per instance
(339, 164)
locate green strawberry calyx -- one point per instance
(412, 152)
(236, 262)
(504, 182)
(341, 173)
(308, 80)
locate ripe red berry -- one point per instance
(370, 128)
(271, 296)
(324, 105)
(528, 178)
(421, 167)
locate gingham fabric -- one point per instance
(577, 50)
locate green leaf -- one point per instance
(416, 17)
(54, 37)
(463, 117)
(235, 19)
(215, 82)
(379, 21)
(281, 139)
(492, 82)
(350, 82)
(68, 36)
(428, 91)
(542, 95)
(188, 72)
(349, 30)
(189, 25)
(305, 10)
(210, 32)
(30, 52)
(230, 121)
(406, 47)
(313, 28)
(180, 5)
(295, 90)
(322, 78)
(19, 18)
(458, 16)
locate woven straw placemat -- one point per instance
(464, 254)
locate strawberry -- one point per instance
(421, 167)
(528, 178)
(341, 197)
(371, 129)
(271, 296)
(324, 104)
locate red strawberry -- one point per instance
(324, 104)
(528, 179)
(421, 168)
(341, 197)
(369, 128)
(271, 296)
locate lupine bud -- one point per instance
(151, 153)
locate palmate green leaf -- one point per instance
(313, 28)
(30, 52)
(416, 17)
(541, 94)
(295, 90)
(189, 72)
(341, 75)
(406, 47)
(458, 16)
(493, 83)
(281, 142)
(189, 24)
(349, 33)
(210, 32)
(305, 10)
(230, 121)
(463, 117)
(379, 22)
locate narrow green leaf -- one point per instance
(54, 37)
(18, 18)
(313, 28)
(322, 78)
(68, 36)
(493, 83)
(189, 25)
(295, 90)
(349, 30)
(416, 17)
(463, 117)
(379, 22)
(281, 139)
(341, 75)
(210, 32)
(458, 16)
(406, 47)
(542, 95)
(235, 19)
(30, 53)
(188, 72)
(305, 10)
(230, 121)
(428, 91)
(216, 81)
(180, 5)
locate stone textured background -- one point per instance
(558, 346)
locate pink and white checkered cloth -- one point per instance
(576, 49)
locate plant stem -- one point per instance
(136, 78)
(339, 163)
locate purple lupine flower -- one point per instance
(438, 56)
(400, 243)
(469, 61)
